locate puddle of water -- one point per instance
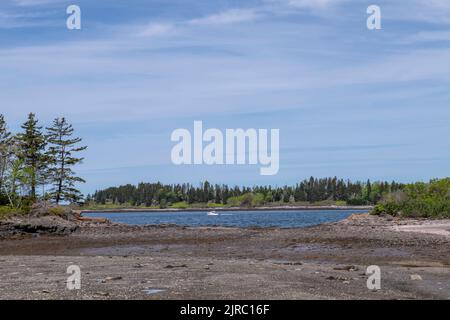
(153, 291)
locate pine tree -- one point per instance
(31, 152)
(61, 157)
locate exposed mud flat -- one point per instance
(169, 262)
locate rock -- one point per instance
(94, 221)
(416, 277)
(169, 266)
(112, 278)
(45, 208)
(347, 268)
(104, 294)
(336, 278)
(288, 263)
(43, 225)
(293, 264)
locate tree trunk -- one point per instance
(61, 176)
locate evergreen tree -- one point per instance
(5, 154)
(61, 158)
(369, 191)
(5, 141)
(31, 145)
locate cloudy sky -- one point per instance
(348, 101)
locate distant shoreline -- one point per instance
(277, 208)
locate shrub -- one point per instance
(57, 211)
(233, 202)
(258, 199)
(246, 200)
(215, 205)
(428, 200)
(6, 211)
(356, 202)
(163, 204)
(180, 205)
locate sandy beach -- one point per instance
(327, 261)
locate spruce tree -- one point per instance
(5, 153)
(32, 144)
(369, 191)
(61, 150)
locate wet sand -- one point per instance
(322, 262)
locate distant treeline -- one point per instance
(311, 190)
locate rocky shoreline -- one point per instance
(20, 227)
(322, 262)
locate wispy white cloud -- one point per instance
(170, 28)
(442, 4)
(156, 29)
(227, 17)
(313, 4)
(427, 11)
(30, 3)
(11, 20)
(428, 36)
(306, 4)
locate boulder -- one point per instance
(45, 208)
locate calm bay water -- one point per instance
(283, 219)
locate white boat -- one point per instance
(212, 213)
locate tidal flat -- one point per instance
(326, 261)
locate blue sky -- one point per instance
(348, 101)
